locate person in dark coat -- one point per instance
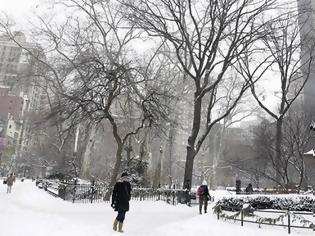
(249, 189)
(120, 200)
(10, 181)
(204, 196)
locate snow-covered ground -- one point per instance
(29, 211)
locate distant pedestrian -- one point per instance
(249, 189)
(204, 196)
(10, 180)
(120, 200)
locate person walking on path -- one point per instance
(120, 200)
(10, 181)
(204, 196)
(249, 189)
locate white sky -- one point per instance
(19, 9)
(23, 10)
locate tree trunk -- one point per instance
(278, 149)
(115, 170)
(189, 166)
(143, 150)
(157, 174)
(128, 152)
(171, 149)
(190, 156)
(302, 176)
(86, 159)
(144, 157)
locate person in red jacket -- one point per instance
(120, 200)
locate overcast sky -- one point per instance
(19, 9)
(22, 10)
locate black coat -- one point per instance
(205, 190)
(121, 196)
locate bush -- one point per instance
(264, 202)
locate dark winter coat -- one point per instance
(121, 196)
(10, 180)
(205, 190)
(249, 189)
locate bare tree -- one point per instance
(210, 35)
(296, 137)
(283, 46)
(262, 165)
(90, 69)
(259, 164)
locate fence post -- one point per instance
(218, 212)
(92, 193)
(73, 194)
(289, 223)
(173, 198)
(242, 217)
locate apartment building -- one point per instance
(20, 93)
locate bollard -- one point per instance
(242, 217)
(289, 223)
(73, 194)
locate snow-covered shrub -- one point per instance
(294, 203)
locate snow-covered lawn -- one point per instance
(30, 211)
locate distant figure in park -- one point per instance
(10, 180)
(120, 200)
(204, 196)
(249, 189)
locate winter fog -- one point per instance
(157, 117)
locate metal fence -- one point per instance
(288, 218)
(270, 191)
(88, 193)
(81, 193)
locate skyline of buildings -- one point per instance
(20, 95)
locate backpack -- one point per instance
(200, 191)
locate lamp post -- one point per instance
(160, 166)
(157, 174)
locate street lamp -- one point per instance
(160, 165)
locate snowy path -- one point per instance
(30, 211)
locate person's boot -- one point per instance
(115, 225)
(120, 225)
